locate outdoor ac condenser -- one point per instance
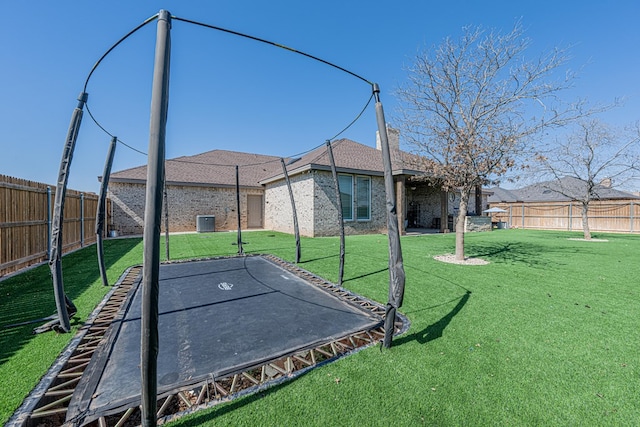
(205, 223)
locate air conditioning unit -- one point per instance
(205, 223)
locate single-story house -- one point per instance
(556, 205)
(565, 189)
(205, 185)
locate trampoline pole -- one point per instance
(166, 222)
(293, 208)
(336, 185)
(149, 340)
(102, 208)
(396, 267)
(55, 257)
(240, 249)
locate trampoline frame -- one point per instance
(48, 402)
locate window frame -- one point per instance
(362, 178)
(354, 185)
(350, 194)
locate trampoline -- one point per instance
(220, 325)
(255, 320)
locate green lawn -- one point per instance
(546, 334)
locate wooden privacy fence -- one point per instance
(25, 222)
(618, 216)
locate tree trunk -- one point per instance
(462, 214)
(585, 221)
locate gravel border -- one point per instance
(451, 259)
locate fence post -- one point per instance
(48, 222)
(82, 220)
(523, 216)
(631, 205)
(570, 225)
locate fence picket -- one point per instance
(25, 219)
(617, 216)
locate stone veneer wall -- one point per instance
(477, 223)
(185, 204)
(316, 206)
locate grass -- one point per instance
(546, 334)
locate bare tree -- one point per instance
(589, 162)
(471, 105)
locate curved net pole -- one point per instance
(102, 208)
(339, 203)
(396, 266)
(239, 243)
(63, 303)
(149, 341)
(293, 208)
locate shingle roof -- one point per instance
(502, 195)
(217, 167)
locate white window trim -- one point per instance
(354, 197)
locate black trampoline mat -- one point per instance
(216, 317)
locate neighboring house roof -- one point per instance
(564, 189)
(217, 167)
(502, 195)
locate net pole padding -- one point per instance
(239, 234)
(102, 209)
(149, 342)
(63, 303)
(167, 253)
(336, 185)
(396, 266)
(296, 230)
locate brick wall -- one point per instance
(326, 212)
(185, 204)
(423, 204)
(315, 200)
(313, 192)
(278, 215)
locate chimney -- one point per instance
(394, 139)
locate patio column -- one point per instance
(444, 211)
(401, 203)
(478, 199)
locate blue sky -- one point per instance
(231, 93)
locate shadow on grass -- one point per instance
(319, 258)
(435, 330)
(511, 253)
(29, 295)
(362, 276)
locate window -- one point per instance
(346, 196)
(361, 188)
(363, 198)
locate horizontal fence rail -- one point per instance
(621, 216)
(25, 222)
